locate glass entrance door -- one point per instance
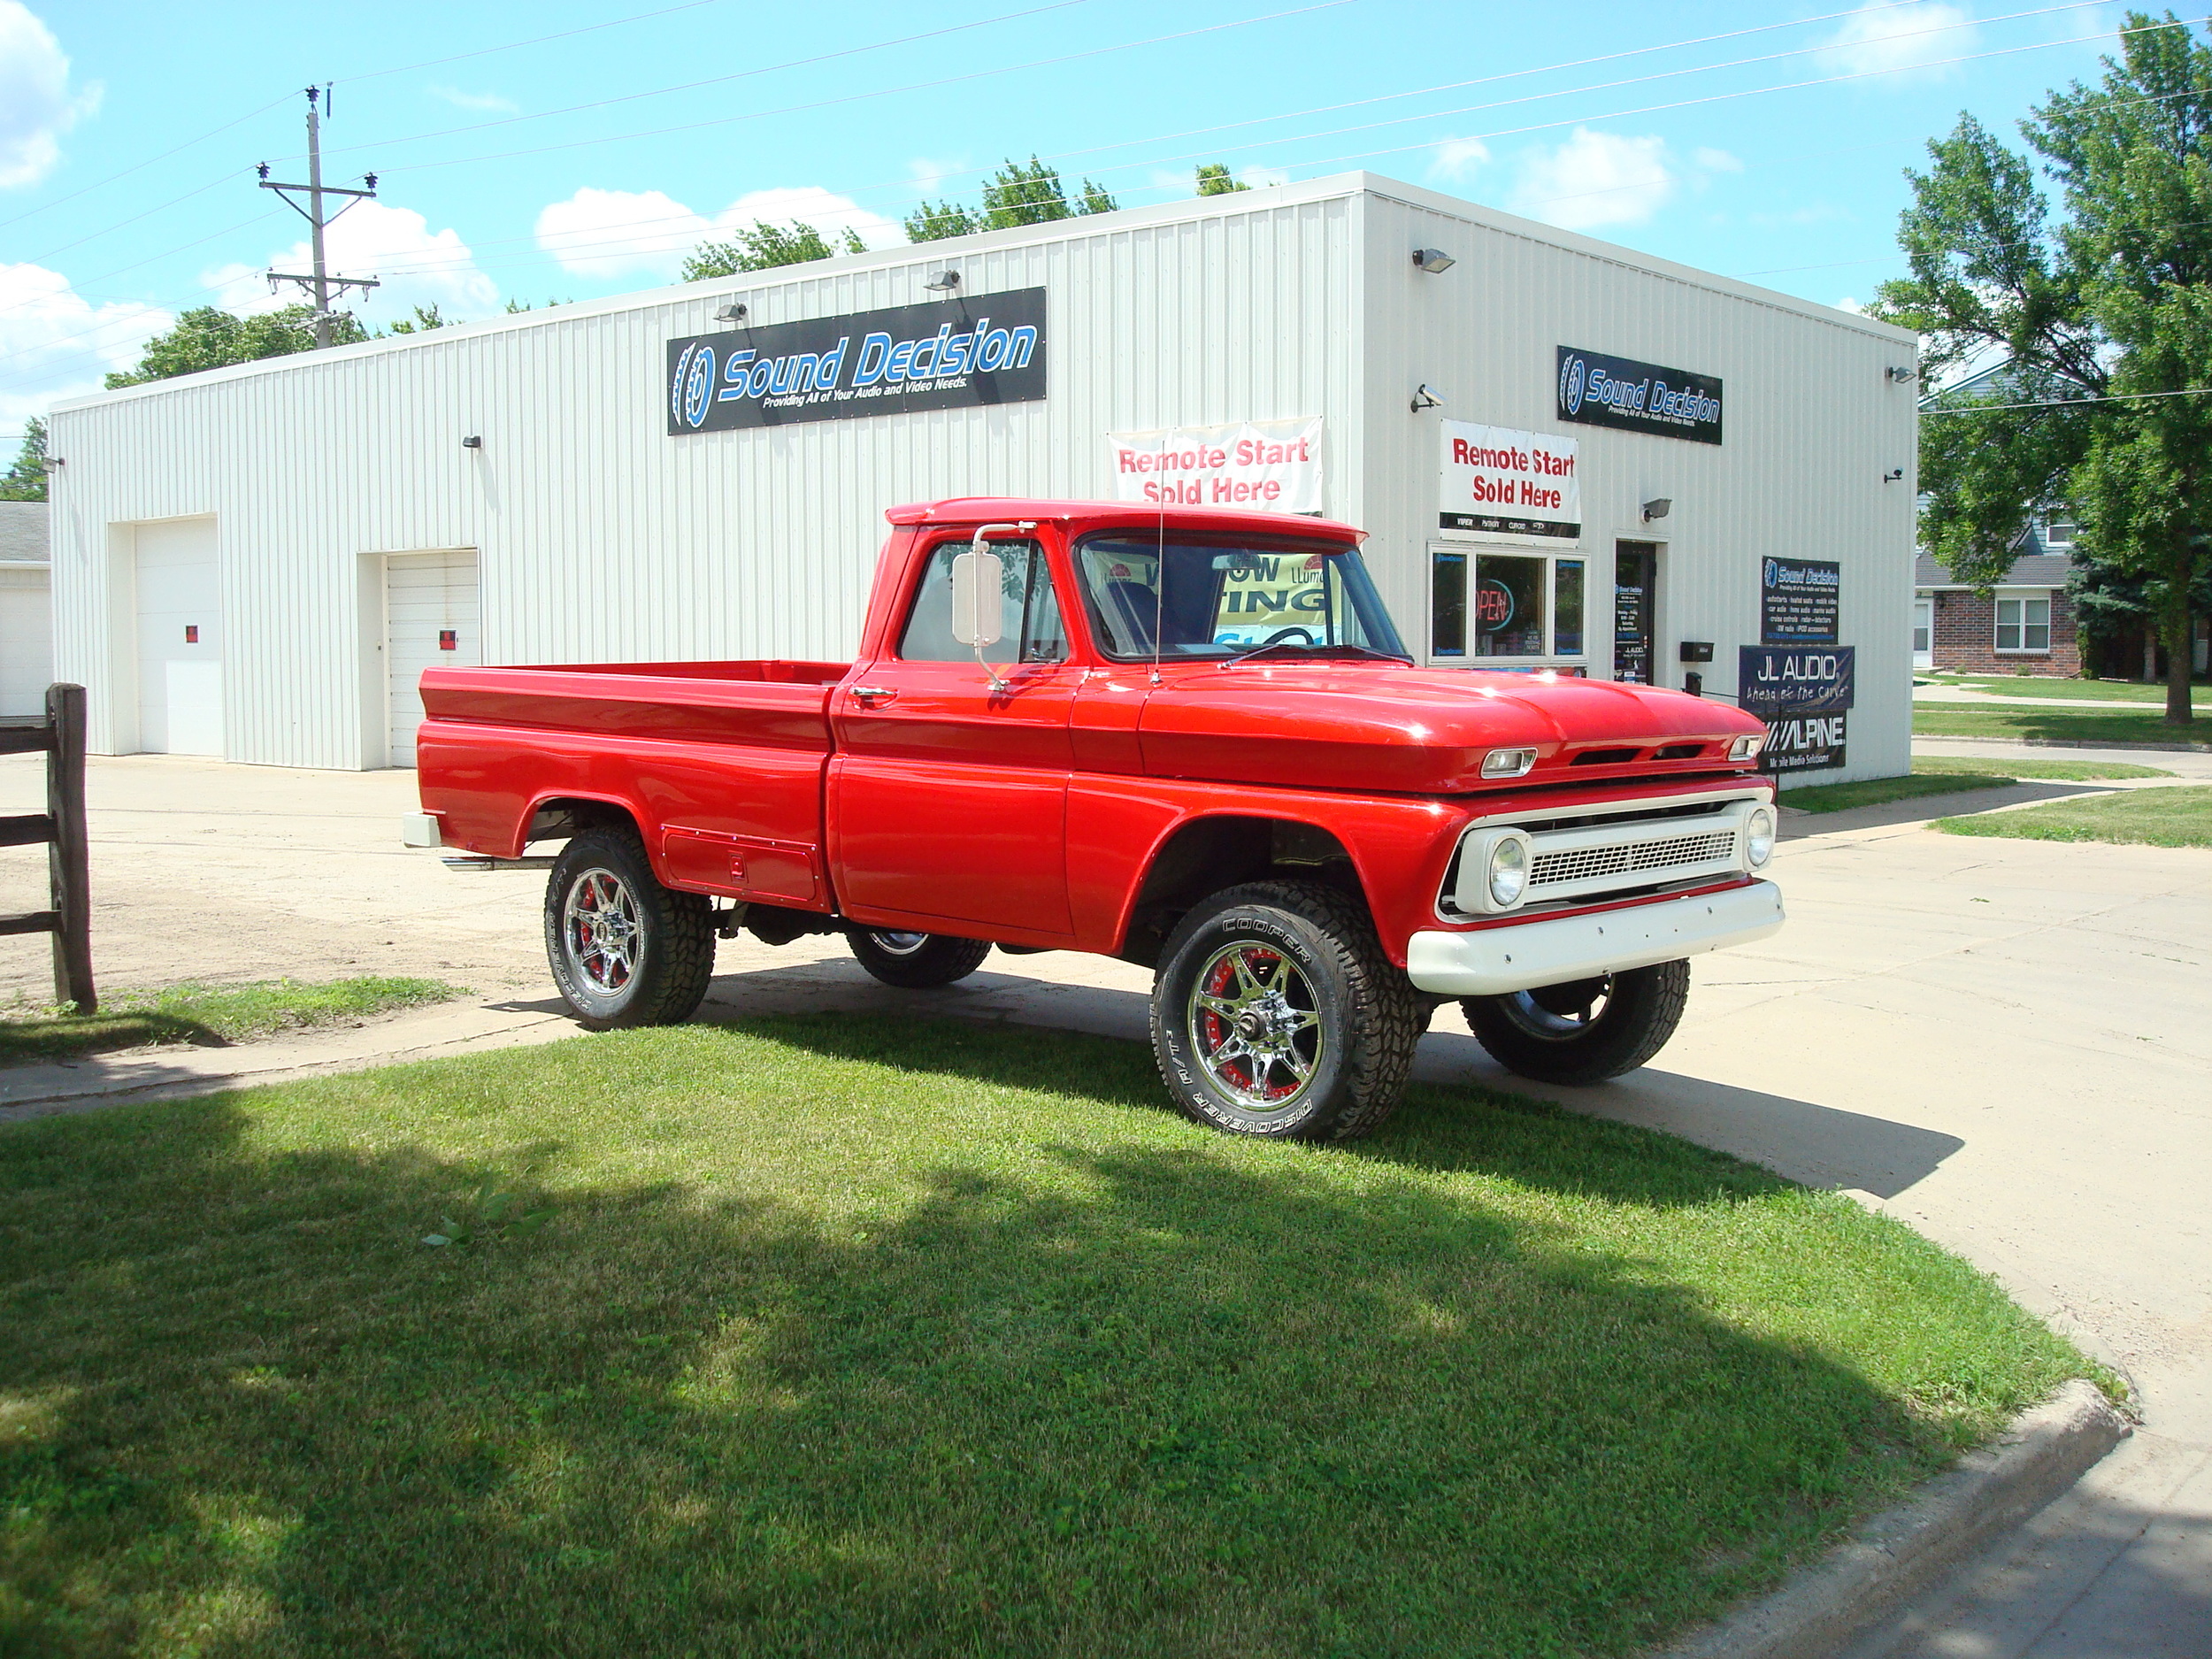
(1635, 605)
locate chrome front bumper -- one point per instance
(1492, 961)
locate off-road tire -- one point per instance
(1642, 1007)
(938, 959)
(674, 931)
(1367, 1015)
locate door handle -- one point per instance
(868, 697)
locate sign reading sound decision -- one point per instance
(1630, 396)
(949, 354)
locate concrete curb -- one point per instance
(1819, 1609)
(2068, 742)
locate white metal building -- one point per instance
(26, 612)
(257, 562)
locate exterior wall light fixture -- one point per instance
(1435, 261)
(472, 441)
(1901, 374)
(1425, 396)
(943, 282)
(735, 311)
(1657, 507)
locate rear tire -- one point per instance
(917, 961)
(1276, 1014)
(625, 950)
(1583, 1032)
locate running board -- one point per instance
(476, 863)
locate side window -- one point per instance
(1030, 628)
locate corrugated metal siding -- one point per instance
(1811, 426)
(602, 539)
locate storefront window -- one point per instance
(1567, 608)
(1522, 608)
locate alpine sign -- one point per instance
(949, 354)
(1497, 484)
(1630, 396)
(1805, 698)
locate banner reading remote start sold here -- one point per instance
(1498, 485)
(1270, 465)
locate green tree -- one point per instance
(762, 245)
(2104, 298)
(211, 338)
(25, 480)
(425, 319)
(1214, 179)
(1019, 193)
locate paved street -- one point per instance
(2005, 1043)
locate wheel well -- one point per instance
(1208, 854)
(563, 816)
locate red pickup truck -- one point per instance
(1188, 739)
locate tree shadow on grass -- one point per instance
(1167, 1396)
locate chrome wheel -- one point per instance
(601, 931)
(899, 944)
(1559, 1013)
(1255, 1025)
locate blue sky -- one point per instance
(570, 149)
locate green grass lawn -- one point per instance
(2051, 686)
(206, 1014)
(875, 1337)
(2178, 817)
(2102, 726)
(2058, 771)
(1836, 797)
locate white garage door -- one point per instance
(179, 639)
(430, 609)
(27, 641)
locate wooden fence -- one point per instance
(68, 853)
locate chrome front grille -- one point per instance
(1586, 863)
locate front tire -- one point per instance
(625, 950)
(1276, 1013)
(1583, 1032)
(917, 961)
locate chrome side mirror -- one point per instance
(978, 580)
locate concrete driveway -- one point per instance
(2006, 1044)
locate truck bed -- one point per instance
(725, 757)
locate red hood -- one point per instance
(1417, 730)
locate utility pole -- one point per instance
(320, 284)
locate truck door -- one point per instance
(949, 797)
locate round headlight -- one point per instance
(1509, 872)
(1758, 836)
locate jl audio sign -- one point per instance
(1805, 698)
(947, 354)
(1631, 396)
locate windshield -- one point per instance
(1227, 595)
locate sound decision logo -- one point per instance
(1572, 374)
(1599, 390)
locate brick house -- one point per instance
(2025, 626)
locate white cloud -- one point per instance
(1880, 38)
(36, 106)
(1595, 179)
(490, 103)
(1847, 303)
(58, 344)
(1455, 158)
(414, 264)
(1717, 161)
(630, 233)
(929, 176)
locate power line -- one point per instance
(136, 166)
(2062, 402)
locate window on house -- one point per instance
(2024, 625)
(2058, 531)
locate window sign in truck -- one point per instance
(1188, 739)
